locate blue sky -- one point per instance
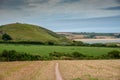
(64, 15)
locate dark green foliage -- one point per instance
(50, 43)
(12, 55)
(6, 37)
(77, 43)
(77, 55)
(65, 56)
(98, 45)
(56, 54)
(114, 54)
(80, 56)
(24, 42)
(111, 55)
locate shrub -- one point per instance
(114, 54)
(6, 37)
(77, 55)
(12, 55)
(56, 54)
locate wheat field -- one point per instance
(69, 69)
(90, 70)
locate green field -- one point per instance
(44, 50)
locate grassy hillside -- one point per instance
(27, 32)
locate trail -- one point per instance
(57, 72)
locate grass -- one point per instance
(45, 50)
(27, 32)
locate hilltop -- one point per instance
(28, 32)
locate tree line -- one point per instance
(8, 39)
(12, 55)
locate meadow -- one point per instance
(44, 50)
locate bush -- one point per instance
(114, 54)
(77, 55)
(6, 37)
(12, 55)
(77, 43)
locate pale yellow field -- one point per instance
(91, 69)
(70, 70)
(34, 70)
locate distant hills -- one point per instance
(86, 35)
(28, 32)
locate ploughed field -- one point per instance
(44, 50)
(70, 70)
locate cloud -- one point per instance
(58, 9)
(118, 1)
(113, 8)
(69, 1)
(19, 4)
(12, 4)
(37, 1)
(98, 20)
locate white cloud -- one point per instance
(54, 8)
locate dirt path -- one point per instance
(57, 72)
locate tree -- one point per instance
(6, 37)
(114, 54)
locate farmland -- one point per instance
(27, 70)
(44, 50)
(70, 70)
(90, 70)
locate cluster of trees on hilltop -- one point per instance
(4, 36)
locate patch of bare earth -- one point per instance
(90, 69)
(32, 70)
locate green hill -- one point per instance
(27, 32)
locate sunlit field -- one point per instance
(45, 49)
(70, 70)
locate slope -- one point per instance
(28, 32)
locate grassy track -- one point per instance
(44, 50)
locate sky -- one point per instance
(64, 15)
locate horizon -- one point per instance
(64, 15)
(61, 31)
